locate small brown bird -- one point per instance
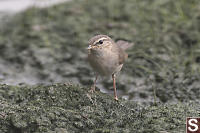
(107, 57)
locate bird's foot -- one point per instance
(116, 99)
(92, 89)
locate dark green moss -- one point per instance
(72, 108)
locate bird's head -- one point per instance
(99, 41)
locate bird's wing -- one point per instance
(124, 44)
(122, 55)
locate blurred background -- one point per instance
(44, 42)
(13, 6)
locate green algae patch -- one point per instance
(72, 108)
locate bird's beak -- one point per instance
(89, 47)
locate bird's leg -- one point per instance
(114, 86)
(94, 84)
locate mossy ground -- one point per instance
(69, 108)
(48, 46)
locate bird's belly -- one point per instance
(105, 65)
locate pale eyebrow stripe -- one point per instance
(103, 38)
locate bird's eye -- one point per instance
(100, 41)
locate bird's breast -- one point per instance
(105, 62)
